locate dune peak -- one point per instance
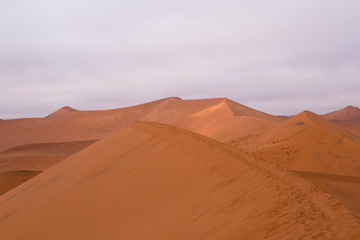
(69, 109)
(62, 111)
(173, 98)
(349, 113)
(350, 107)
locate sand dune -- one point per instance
(151, 181)
(348, 113)
(308, 142)
(321, 151)
(68, 125)
(348, 118)
(67, 130)
(228, 129)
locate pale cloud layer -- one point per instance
(277, 56)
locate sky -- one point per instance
(280, 56)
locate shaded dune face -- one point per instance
(12, 179)
(152, 181)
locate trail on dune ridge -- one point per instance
(316, 149)
(307, 142)
(158, 181)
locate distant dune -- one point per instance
(152, 181)
(348, 118)
(68, 125)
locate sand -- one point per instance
(308, 142)
(316, 149)
(39, 156)
(19, 164)
(12, 179)
(344, 188)
(152, 181)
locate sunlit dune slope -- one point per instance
(348, 118)
(152, 181)
(228, 129)
(67, 124)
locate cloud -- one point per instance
(278, 56)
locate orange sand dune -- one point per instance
(219, 118)
(348, 118)
(228, 129)
(67, 124)
(151, 181)
(308, 142)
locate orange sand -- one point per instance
(19, 164)
(9, 180)
(308, 142)
(151, 181)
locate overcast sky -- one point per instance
(277, 56)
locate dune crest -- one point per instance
(62, 112)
